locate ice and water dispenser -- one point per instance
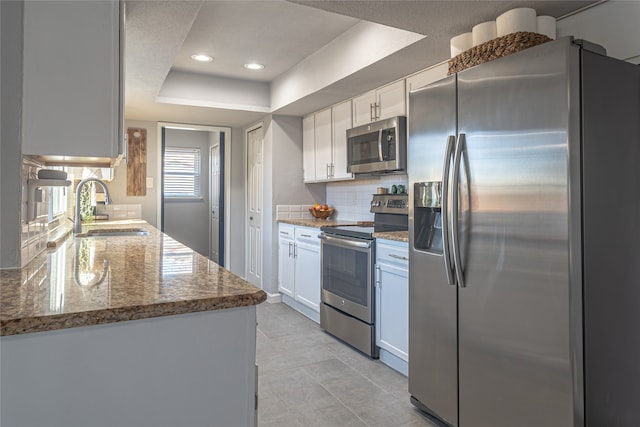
(427, 204)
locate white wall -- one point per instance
(235, 256)
(282, 181)
(118, 186)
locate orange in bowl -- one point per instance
(321, 213)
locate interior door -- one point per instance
(214, 174)
(254, 206)
(514, 344)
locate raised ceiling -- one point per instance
(161, 36)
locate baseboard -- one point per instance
(394, 362)
(301, 308)
(274, 298)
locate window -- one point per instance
(182, 172)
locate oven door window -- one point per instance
(345, 273)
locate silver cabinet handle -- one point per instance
(445, 209)
(377, 276)
(305, 235)
(289, 249)
(457, 259)
(371, 114)
(328, 170)
(404, 258)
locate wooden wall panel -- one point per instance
(137, 162)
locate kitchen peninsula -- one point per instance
(126, 330)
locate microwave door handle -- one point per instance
(380, 145)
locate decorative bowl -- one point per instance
(321, 214)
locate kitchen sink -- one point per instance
(115, 232)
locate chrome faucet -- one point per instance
(77, 222)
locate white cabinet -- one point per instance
(308, 148)
(425, 77)
(286, 262)
(324, 144)
(307, 267)
(341, 120)
(392, 303)
(324, 141)
(72, 79)
(299, 268)
(382, 103)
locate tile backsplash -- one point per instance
(293, 212)
(35, 234)
(352, 199)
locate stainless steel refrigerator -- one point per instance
(524, 225)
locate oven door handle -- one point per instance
(342, 242)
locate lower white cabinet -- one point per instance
(286, 261)
(299, 268)
(307, 267)
(392, 303)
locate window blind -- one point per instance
(181, 172)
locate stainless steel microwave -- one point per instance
(378, 147)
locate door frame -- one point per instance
(247, 130)
(227, 173)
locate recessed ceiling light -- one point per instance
(254, 66)
(201, 57)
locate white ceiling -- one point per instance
(162, 35)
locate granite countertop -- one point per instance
(97, 280)
(315, 222)
(399, 236)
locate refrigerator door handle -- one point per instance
(455, 210)
(445, 209)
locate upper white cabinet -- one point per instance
(73, 78)
(382, 103)
(324, 141)
(324, 144)
(341, 120)
(308, 148)
(428, 76)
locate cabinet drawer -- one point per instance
(286, 232)
(392, 254)
(308, 235)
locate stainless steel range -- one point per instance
(347, 256)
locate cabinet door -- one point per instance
(71, 107)
(392, 328)
(307, 274)
(286, 267)
(341, 118)
(392, 100)
(323, 137)
(362, 108)
(308, 149)
(427, 76)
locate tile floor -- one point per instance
(308, 378)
